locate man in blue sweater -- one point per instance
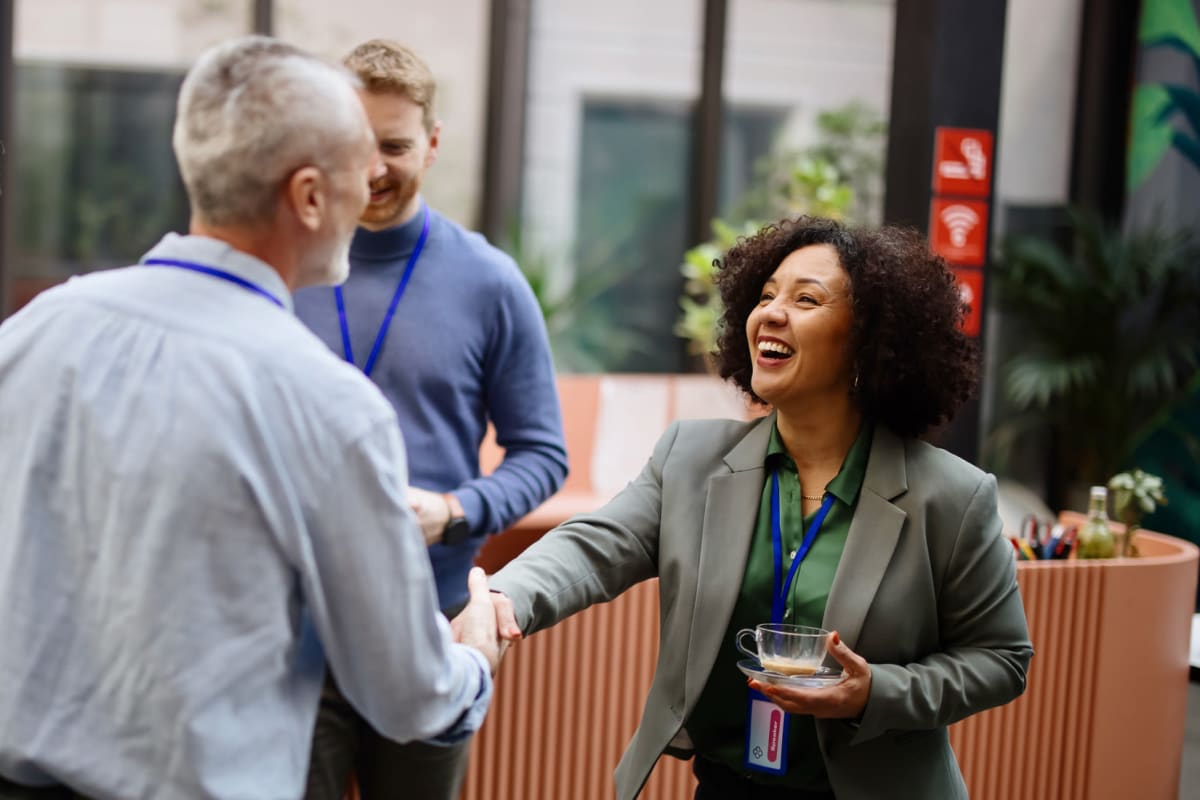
(448, 328)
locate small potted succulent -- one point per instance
(1134, 494)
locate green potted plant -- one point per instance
(1110, 342)
(1134, 494)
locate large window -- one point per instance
(631, 226)
(95, 181)
(609, 174)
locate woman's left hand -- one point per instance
(846, 700)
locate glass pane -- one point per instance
(607, 176)
(815, 76)
(452, 38)
(631, 230)
(96, 183)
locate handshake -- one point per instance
(487, 622)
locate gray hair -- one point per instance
(251, 112)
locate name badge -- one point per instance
(766, 735)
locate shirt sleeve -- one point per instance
(522, 399)
(369, 586)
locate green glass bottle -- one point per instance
(1095, 537)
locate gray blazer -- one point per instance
(926, 592)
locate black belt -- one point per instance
(719, 782)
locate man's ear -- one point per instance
(305, 194)
(431, 153)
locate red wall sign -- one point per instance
(958, 230)
(970, 288)
(962, 161)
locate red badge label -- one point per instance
(958, 230)
(962, 161)
(773, 736)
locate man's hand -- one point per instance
(846, 700)
(476, 624)
(433, 512)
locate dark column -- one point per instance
(706, 145)
(264, 17)
(1106, 61)
(503, 155)
(6, 107)
(947, 65)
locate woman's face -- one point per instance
(799, 332)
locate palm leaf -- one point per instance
(1038, 381)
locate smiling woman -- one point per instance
(828, 513)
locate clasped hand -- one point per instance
(846, 700)
(487, 622)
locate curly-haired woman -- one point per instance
(852, 338)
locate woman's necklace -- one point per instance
(811, 497)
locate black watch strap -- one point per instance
(457, 529)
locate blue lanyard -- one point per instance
(780, 593)
(347, 350)
(216, 273)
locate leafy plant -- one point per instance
(1134, 494)
(1113, 344)
(700, 303)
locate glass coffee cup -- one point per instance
(786, 649)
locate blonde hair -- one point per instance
(386, 66)
(250, 113)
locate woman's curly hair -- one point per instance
(913, 364)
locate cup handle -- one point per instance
(738, 641)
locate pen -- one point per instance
(1027, 551)
(1051, 549)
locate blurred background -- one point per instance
(614, 149)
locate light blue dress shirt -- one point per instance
(200, 504)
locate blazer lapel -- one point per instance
(730, 511)
(874, 532)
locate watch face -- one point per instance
(456, 531)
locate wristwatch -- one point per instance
(457, 529)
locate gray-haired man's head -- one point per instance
(251, 112)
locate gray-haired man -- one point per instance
(201, 504)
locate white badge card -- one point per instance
(766, 735)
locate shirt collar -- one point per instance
(847, 483)
(221, 255)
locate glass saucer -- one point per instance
(823, 677)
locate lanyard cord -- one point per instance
(780, 588)
(347, 349)
(215, 273)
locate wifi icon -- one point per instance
(958, 230)
(959, 221)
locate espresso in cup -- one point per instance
(786, 649)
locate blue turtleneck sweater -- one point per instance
(467, 345)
